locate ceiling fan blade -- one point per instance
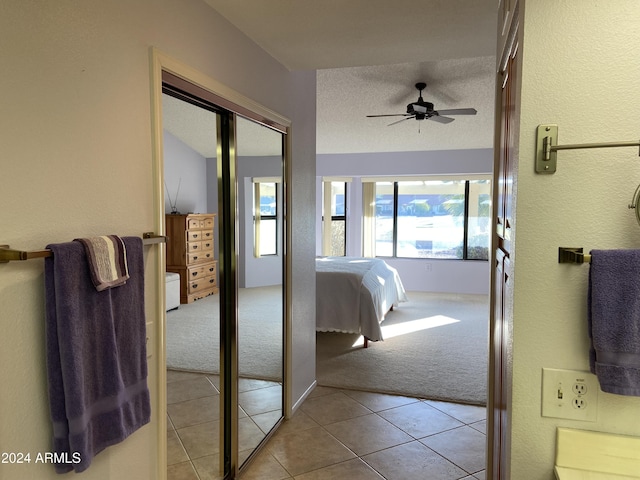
(458, 111)
(390, 115)
(440, 119)
(408, 118)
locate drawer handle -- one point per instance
(195, 235)
(195, 247)
(195, 285)
(211, 269)
(212, 281)
(195, 257)
(194, 274)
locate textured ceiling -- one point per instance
(196, 127)
(369, 54)
(347, 95)
(317, 34)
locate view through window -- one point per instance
(433, 219)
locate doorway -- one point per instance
(251, 403)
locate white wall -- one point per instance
(266, 270)
(185, 176)
(426, 275)
(581, 70)
(77, 161)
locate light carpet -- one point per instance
(193, 334)
(435, 346)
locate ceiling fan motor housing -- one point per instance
(426, 107)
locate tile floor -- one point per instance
(334, 434)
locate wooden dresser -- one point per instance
(190, 254)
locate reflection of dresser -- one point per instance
(190, 254)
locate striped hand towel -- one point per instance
(107, 258)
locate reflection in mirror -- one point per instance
(193, 320)
(260, 278)
(192, 326)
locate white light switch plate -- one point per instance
(569, 394)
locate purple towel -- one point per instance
(107, 257)
(96, 355)
(614, 320)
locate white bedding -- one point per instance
(354, 294)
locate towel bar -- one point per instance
(8, 254)
(547, 148)
(573, 255)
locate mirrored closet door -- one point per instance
(234, 335)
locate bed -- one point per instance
(354, 294)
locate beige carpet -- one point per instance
(436, 347)
(193, 334)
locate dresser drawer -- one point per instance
(200, 257)
(194, 235)
(207, 223)
(196, 273)
(193, 247)
(194, 224)
(205, 283)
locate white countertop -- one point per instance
(588, 455)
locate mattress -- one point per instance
(354, 294)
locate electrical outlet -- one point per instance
(569, 394)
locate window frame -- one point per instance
(258, 217)
(395, 181)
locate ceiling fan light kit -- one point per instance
(421, 110)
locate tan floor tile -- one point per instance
(215, 380)
(463, 446)
(267, 420)
(246, 384)
(261, 401)
(320, 391)
(181, 471)
(179, 375)
(196, 411)
(480, 426)
(182, 390)
(412, 460)
(201, 440)
(208, 467)
(249, 434)
(420, 419)
(333, 408)
(299, 421)
(175, 451)
(354, 469)
(377, 402)
(265, 467)
(368, 434)
(480, 475)
(459, 411)
(308, 450)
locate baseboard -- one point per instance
(303, 397)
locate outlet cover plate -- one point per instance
(569, 394)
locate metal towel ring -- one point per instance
(635, 203)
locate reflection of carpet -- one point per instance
(193, 334)
(447, 361)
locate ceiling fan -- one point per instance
(422, 110)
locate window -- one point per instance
(265, 217)
(334, 233)
(432, 218)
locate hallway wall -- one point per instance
(581, 71)
(77, 161)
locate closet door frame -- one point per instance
(165, 69)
